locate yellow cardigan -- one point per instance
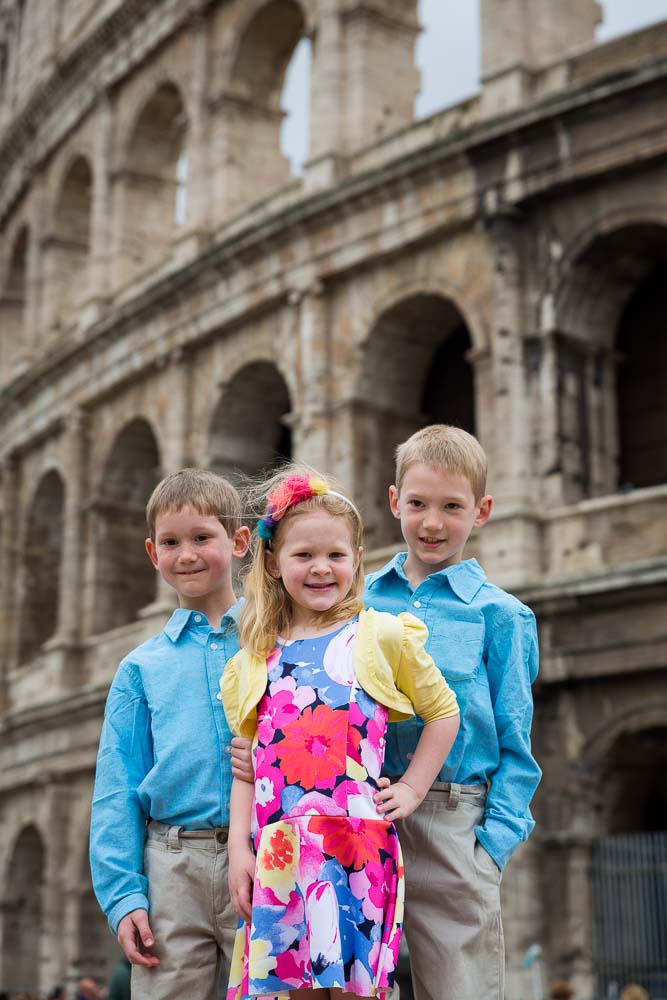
(390, 664)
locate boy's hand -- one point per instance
(241, 877)
(241, 752)
(136, 939)
(395, 801)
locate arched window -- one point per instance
(248, 431)
(416, 373)
(641, 384)
(42, 553)
(154, 179)
(22, 912)
(67, 251)
(125, 580)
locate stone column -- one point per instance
(8, 558)
(311, 424)
(70, 597)
(510, 545)
(198, 193)
(101, 232)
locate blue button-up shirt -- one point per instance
(485, 643)
(164, 752)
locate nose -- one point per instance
(187, 553)
(320, 566)
(432, 518)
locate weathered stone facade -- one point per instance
(169, 295)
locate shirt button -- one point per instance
(197, 618)
(418, 604)
(214, 645)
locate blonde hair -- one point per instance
(633, 991)
(447, 449)
(210, 494)
(267, 611)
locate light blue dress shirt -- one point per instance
(485, 643)
(163, 754)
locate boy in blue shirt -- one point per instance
(160, 812)
(457, 842)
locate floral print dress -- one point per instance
(328, 893)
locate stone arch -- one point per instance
(13, 303)
(629, 908)
(152, 180)
(246, 436)
(124, 580)
(42, 554)
(249, 117)
(610, 358)
(68, 248)
(416, 370)
(22, 912)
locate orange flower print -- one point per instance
(312, 750)
(353, 842)
(279, 854)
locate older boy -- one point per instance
(457, 842)
(161, 802)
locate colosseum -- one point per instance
(170, 294)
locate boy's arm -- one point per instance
(512, 663)
(241, 857)
(118, 823)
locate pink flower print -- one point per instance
(269, 783)
(354, 843)
(302, 696)
(278, 711)
(312, 750)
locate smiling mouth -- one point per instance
(432, 541)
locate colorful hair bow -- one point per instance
(294, 490)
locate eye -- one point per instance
(168, 542)
(202, 538)
(417, 504)
(452, 506)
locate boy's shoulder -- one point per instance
(502, 601)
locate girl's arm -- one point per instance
(241, 857)
(402, 798)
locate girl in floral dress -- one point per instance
(315, 867)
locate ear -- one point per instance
(394, 504)
(271, 564)
(241, 542)
(483, 511)
(152, 551)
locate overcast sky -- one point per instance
(446, 81)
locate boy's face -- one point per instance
(193, 554)
(437, 511)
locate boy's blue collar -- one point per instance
(465, 578)
(183, 618)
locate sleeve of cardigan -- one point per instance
(229, 692)
(418, 677)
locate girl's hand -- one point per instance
(396, 801)
(241, 877)
(242, 765)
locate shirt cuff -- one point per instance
(499, 841)
(136, 901)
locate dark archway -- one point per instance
(125, 580)
(22, 908)
(416, 372)
(42, 554)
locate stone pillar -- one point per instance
(311, 426)
(364, 80)
(198, 194)
(70, 595)
(101, 233)
(8, 558)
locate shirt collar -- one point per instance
(183, 618)
(465, 578)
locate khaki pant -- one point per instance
(452, 900)
(191, 914)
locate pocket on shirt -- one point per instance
(457, 647)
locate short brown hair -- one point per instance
(448, 449)
(206, 491)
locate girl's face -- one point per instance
(315, 561)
